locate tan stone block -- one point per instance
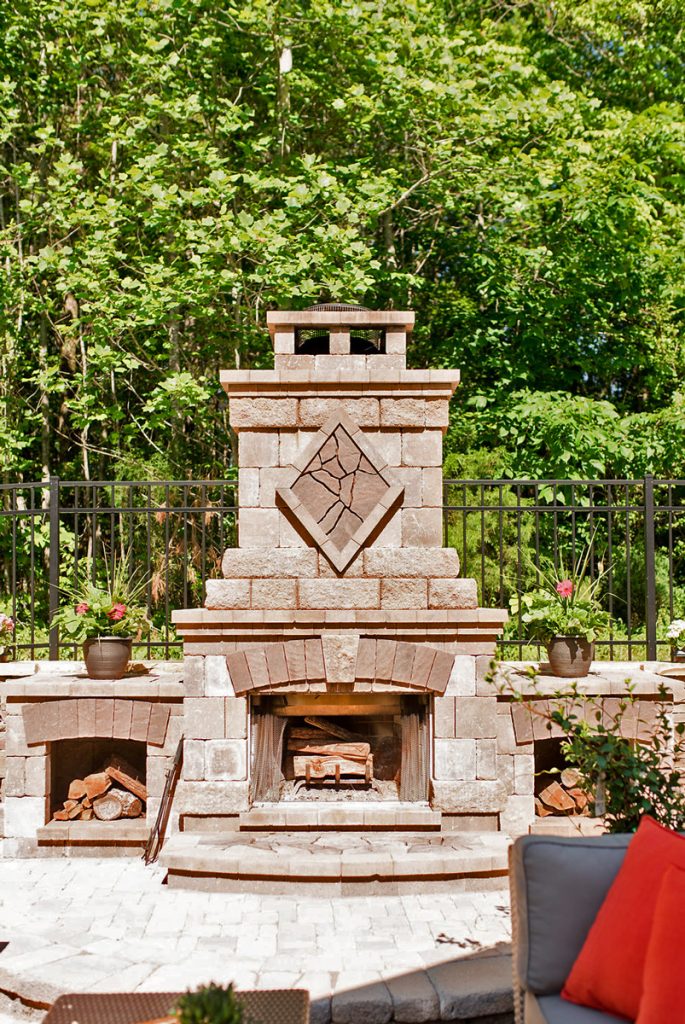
(226, 760)
(259, 528)
(15, 778)
(258, 449)
(86, 720)
(421, 527)
(422, 449)
(330, 368)
(411, 478)
(462, 682)
(454, 593)
(395, 343)
(246, 413)
(443, 715)
(339, 343)
(155, 776)
(391, 534)
(403, 412)
(24, 815)
(291, 534)
(235, 710)
(476, 717)
(505, 769)
(293, 443)
(431, 487)
(123, 715)
(468, 797)
(327, 571)
(485, 667)
(389, 445)
(217, 680)
(454, 760)
(228, 593)
(270, 479)
(193, 759)
(404, 593)
(248, 487)
(437, 412)
(205, 798)
(518, 815)
(257, 562)
(411, 562)
(204, 718)
(314, 412)
(333, 594)
(272, 593)
(294, 368)
(486, 759)
(194, 676)
(284, 342)
(524, 774)
(506, 738)
(340, 658)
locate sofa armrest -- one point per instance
(557, 886)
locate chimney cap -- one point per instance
(336, 307)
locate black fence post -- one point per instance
(650, 570)
(53, 512)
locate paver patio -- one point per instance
(109, 925)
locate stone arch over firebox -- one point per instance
(275, 666)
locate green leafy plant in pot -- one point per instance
(106, 619)
(565, 615)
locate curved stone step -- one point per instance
(326, 863)
(353, 814)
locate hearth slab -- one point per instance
(277, 861)
(359, 815)
(95, 832)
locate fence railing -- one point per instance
(175, 532)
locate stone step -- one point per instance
(353, 815)
(335, 864)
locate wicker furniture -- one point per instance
(271, 1006)
(557, 887)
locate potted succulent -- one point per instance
(565, 615)
(210, 1004)
(676, 634)
(6, 634)
(106, 619)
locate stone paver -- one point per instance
(110, 925)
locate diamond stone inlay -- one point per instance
(344, 491)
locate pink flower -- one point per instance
(6, 623)
(117, 612)
(565, 588)
(82, 608)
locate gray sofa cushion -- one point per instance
(555, 1010)
(559, 885)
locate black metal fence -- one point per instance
(175, 532)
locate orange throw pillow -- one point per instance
(663, 982)
(608, 972)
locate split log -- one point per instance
(570, 778)
(96, 784)
(86, 814)
(117, 803)
(77, 789)
(349, 751)
(580, 797)
(126, 775)
(60, 816)
(333, 728)
(299, 732)
(327, 767)
(541, 810)
(556, 798)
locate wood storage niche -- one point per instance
(97, 780)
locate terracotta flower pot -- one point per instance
(570, 656)
(106, 657)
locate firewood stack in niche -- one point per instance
(565, 796)
(115, 792)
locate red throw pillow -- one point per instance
(608, 972)
(663, 982)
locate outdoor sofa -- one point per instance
(557, 887)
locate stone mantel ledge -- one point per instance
(606, 678)
(163, 680)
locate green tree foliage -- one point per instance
(169, 169)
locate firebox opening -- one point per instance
(340, 749)
(111, 770)
(559, 787)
